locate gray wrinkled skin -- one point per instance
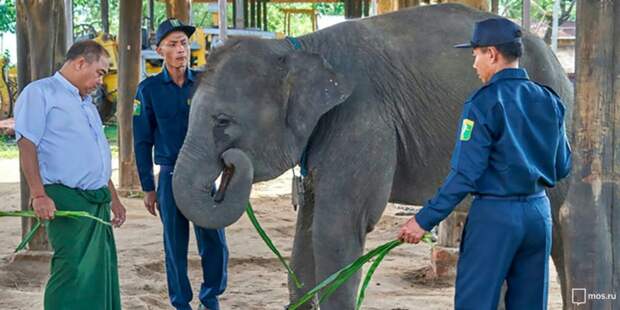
(376, 102)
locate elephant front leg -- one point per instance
(302, 258)
(343, 215)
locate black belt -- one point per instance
(513, 198)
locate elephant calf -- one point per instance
(372, 103)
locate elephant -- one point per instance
(371, 107)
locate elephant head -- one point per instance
(250, 120)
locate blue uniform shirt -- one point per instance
(511, 141)
(161, 113)
(67, 131)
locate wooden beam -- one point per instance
(495, 6)
(129, 46)
(589, 217)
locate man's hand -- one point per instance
(150, 202)
(411, 232)
(44, 207)
(120, 214)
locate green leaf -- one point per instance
(28, 236)
(335, 280)
(270, 244)
(371, 271)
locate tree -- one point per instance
(566, 13)
(7, 16)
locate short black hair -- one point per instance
(89, 49)
(511, 50)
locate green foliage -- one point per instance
(111, 134)
(7, 16)
(540, 9)
(8, 148)
(300, 24)
(329, 8)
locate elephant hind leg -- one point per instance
(302, 258)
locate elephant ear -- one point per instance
(311, 89)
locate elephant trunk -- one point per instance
(194, 180)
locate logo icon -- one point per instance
(579, 296)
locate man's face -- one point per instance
(484, 59)
(91, 74)
(175, 49)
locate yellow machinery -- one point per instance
(8, 88)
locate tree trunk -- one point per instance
(41, 51)
(23, 78)
(179, 9)
(495, 6)
(352, 9)
(616, 164)
(590, 216)
(129, 43)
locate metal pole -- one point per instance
(105, 20)
(264, 15)
(69, 23)
(239, 14)
(223, 19)
(259, 14)
(252, 13)
(151, 15)
(246, 14)
(555, 26)
(525, 23)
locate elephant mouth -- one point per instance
(227, 174)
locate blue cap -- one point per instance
(172, 25)
(493, 31)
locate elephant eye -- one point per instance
(222, 121)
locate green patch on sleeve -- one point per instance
(466, 130)
(137, 107)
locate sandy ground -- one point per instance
(256, 280)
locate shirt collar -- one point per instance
(510, 73)
(189, 75)
(70, 87)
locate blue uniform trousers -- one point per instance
(505, 239)
(211, 247)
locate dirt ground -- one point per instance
(256, 279)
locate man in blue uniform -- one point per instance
(161, 114)
(511, 145)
